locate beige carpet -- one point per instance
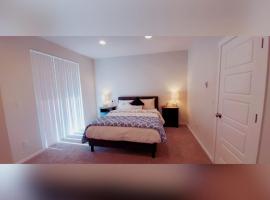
(181, 147)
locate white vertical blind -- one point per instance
(58, 97)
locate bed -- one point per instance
(132, 129)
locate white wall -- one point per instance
(5, 149)
(264, 150)
(18, 94)
(152, 74)
(202, 67)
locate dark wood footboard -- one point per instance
(123, 144)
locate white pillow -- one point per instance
(125, 105)
(130, 107)
(148, 103)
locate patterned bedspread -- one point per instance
(130, 121)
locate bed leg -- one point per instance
(91, 146)
(154, 149)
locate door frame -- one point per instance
(220, 45)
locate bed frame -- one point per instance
(124, 144)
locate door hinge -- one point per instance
(256, 118)
(262, 45)
(219, 115)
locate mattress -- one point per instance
(130, 134)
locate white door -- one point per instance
(243, 69)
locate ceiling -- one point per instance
(134, 17)
(121, 46)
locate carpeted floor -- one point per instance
(181, 147)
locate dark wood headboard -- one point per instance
(141, 97)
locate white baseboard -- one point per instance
(29, 157)
(201, 144)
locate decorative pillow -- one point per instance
(148, 103)
(137, 102)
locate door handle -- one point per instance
(219, 115)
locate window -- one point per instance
(58, 95)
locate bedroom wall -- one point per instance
(202, 67)
(152, 74)
(263, 155)
(18, 94)
(5, 149)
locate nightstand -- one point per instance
(170, 115)
(105, 110)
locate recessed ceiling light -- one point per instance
(148, 37)
(102, 42)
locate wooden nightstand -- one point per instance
(170, 115)
(105, 110)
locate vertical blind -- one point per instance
(58, 95)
